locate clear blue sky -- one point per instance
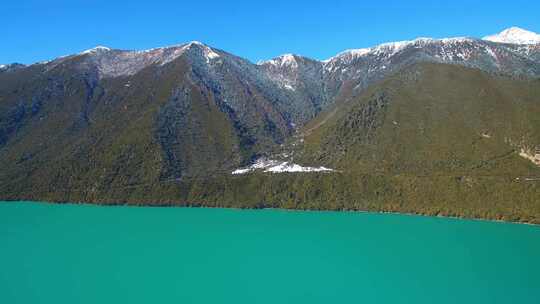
(34, 30)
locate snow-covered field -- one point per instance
(275, 166)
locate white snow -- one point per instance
(356, 52)
(393, 47)
(209, 54)
(275, 67)
(130, 62)
(533, 157)
(242, 171)
(167, 54)
(288, 87)
(397, 46)
(359, 52)
(275, 166)
(350, 54)
(455, 40)
(287, 167)
(96, 49)
(491, 52)
(286, 60)
(45, 61)
(515, 35)
(387, 49)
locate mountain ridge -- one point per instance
(314, 84)
(520, 36)
(370, 129)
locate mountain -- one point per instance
(300, 78)
(10, 67)
(350, 72)
(442, 139)
(515, 35)
(169, 125)
(218, 103)
(430, 118)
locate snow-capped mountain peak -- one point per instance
(350, 53)
(515, 35)
(195, 42)
(113, 62)
(286, 60)
(97, 49)
(208, 52)
(391, 48)
(11, 66)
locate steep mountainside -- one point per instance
(431, 119)
(513, 51)
(357, 69)
(77, 121)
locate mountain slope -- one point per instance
(347, 74)
(442, 127)
(68, 123)
(432, 118)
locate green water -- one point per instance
(86, 254)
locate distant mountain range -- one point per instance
(170, 125)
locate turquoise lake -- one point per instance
(88, 254)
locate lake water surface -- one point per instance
(87, 254)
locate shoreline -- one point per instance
(200, 206)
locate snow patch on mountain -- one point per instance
(283, 70)
(530, 155)
(455, 40)
(11, 66)
(490, 51)
(164, 55)
(472, 52)
(209, 54)
(114, 63)
(288, 87)
(95, 50)
(391, 48)
(351, 54)
(276, 166)
(515, 35)
(286, 60)
(289, 71)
